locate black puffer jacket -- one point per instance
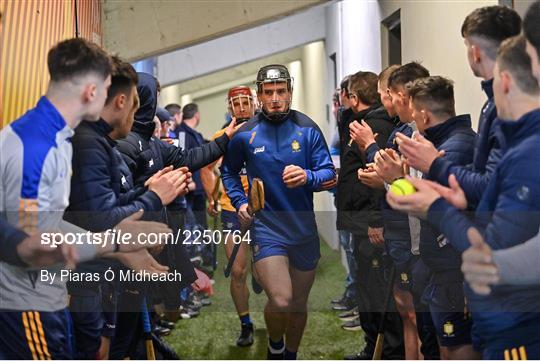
(457, 139)
(102, 188)
(359, 205)
(146, 154)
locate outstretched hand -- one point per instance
(232, 128)
(37, 254)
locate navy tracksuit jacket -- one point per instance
(487, 154)
(508, 214)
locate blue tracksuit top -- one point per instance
(487, 154)
(508, 214)
(266, 149)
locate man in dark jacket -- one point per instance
(508, 213)
(359, 213)
(189, 138)
(344, 116)
(102, 195)
(146, 154)
(432, 105)
(483, 30)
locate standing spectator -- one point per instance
(347, 301)
(189, 138)
(175, 111)
(359, 212)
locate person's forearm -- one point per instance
(473, 183)
(196, 158)
(10, 238)
(518, 265)
(208, 179)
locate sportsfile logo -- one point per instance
(258, 150)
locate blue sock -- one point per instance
(276, 347)
(245, 319)
(289, 355)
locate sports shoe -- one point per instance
(166, 324)
(246, 335)
(205, 300)
(362, 355)
(187, 313)
(335, 301)
(349, 315)
(274, 356)
(161, 331)
(193, 301)
(353, 325)
(347, 305)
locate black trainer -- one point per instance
(161, 331)
(349, 315)
(352, 325)
(275, 356)
(246, 335)
(347, 305)
(166, 324)
(335, 301)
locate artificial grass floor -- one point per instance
(212, 335)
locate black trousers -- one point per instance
(197, 202)
(128, 324)
(177, 258)
(372, 288)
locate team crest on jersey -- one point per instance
(375, 263)
(252, 137)
(404, 277)
(448, 329)
(151, 163)
(295, 146)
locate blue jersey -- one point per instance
(266, 149)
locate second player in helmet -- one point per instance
(241, 105)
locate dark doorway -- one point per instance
(392, 24)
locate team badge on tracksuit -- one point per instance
(448, 329)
